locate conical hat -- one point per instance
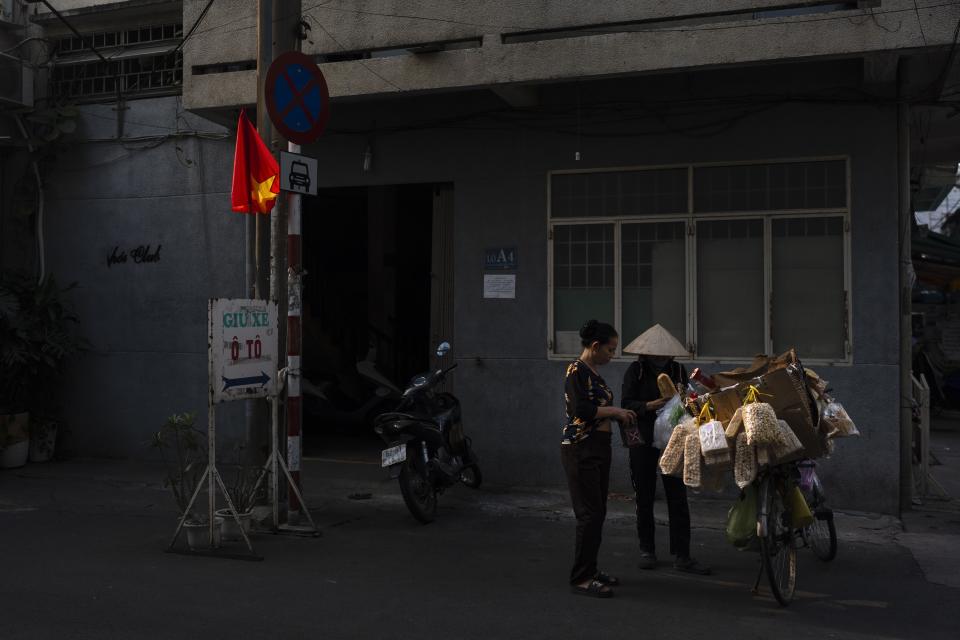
(657, 341)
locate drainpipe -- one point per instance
(905, 261)
(40, 200)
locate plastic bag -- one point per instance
(718, 460)
(742, 518)
(764, 455)
(671, 461)
(745, 464)
(692, 461)
(800, 515)
(759, 419)
(838, 422)
(712, 437)
(714, 479)
(761, 424)
(668, 417)
(808, 477)
(790, 443)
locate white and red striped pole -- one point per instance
(294, 335)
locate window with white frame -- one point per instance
(733, 260)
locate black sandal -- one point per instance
(610, 581)
(595, 589)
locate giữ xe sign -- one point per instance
(243, 349)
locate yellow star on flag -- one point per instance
(261, 193)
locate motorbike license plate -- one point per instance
(393, 455)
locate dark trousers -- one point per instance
(643, 472)
(587, 465)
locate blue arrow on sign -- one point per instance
(261, 379)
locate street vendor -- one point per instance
(656, 349)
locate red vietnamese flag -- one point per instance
(256, 176)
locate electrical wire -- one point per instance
(136, 144)
(196, 24)
(923, 35)
(342, 48)
(25, 41)
(253, 15)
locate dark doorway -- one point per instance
(367, 299)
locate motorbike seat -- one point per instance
(394, 415)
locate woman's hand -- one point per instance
(656, 405)
(626, 416)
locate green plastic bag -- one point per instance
(742, 518)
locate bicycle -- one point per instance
(821, 535)
(778, 536)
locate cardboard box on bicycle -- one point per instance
(786, 393)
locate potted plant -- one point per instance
(43, 438)
(182, 448)
(242, 488)
(37, 338)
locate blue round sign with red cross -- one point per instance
(297, 97)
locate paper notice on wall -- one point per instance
(950, 339)
(500, 286)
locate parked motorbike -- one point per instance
(428, 450)
(327, 403)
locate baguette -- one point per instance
(666, 386)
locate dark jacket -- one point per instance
(640, 387)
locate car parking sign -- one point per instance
(298, 173)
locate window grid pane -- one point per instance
(619, 193)
(583, 275)
(730, 288)
(653, 268)
(770, 187)
(809, 304)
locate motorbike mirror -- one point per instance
(443, 348)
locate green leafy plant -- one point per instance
(241, 481)
(182, 448)
(38, 336)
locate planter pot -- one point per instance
(43, 438)
(14, 455)
(14, 439)
(229, 529)
(14, 427)
(198, 534)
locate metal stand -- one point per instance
(276, 460)
(214, 480)
(243, 383)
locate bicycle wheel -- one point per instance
(821, 536)
(778, 553)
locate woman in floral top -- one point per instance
(585, 452)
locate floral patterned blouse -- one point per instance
(584, 393)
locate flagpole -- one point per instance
(251, 222)
(264, 58)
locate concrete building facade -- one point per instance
(728, 169)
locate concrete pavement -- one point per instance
(82, 545)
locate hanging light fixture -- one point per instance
(368, 157)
